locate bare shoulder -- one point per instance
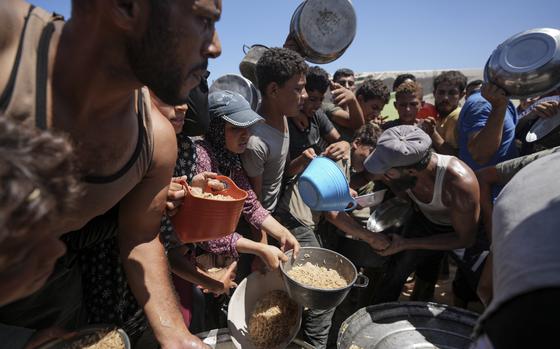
(461, 185)
(12, 17)
(165, 141)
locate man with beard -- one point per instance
(90, 89)
(449, 88)
(445, 194)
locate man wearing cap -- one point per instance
(445, 193)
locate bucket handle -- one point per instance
(246, 48)
(228, 183)
(353, 204)
(362, 281)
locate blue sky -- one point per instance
(392, 35)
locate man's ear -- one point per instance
(126, 14)
(272, 89)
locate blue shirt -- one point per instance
(473, 118)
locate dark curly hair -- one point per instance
(402, 78)
(368, 134)
(373, 88)
(38, 183)
(342, 72)
(453, 77)
(409, 87)
(317, 79)
(278, 65)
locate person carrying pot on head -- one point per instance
(446, 194)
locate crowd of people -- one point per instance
(104, 116)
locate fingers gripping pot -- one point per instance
(206, 218)
(320, 298)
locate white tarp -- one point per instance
(424, 77)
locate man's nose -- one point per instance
(214, 49)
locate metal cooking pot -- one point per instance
(392, 213)
(248, 65)
(81, 334)
(323, 29)
(221, 339)
(407, 325)
(318, 298)
(239, 84)
(527, 64)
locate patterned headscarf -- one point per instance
(216, 138)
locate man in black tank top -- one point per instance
(80, 78)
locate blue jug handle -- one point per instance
(354, 205)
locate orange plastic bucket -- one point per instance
(201, 219)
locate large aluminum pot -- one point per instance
(323, 29)
(318, 298)
(221, 339)
(527, 64)
(239, 84)
(248, 65)
(407, 325)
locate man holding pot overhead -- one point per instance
(445, 194)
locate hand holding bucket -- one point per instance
(324, 187)
(202, 218)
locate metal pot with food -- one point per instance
(319, 278)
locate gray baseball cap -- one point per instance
(232, 107)
(398, 146)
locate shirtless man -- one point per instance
(87, 85)
(446, 193)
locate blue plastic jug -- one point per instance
(323, 186)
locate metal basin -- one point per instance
(239, 84)
(319, 298)
(407, 325)
(392, 213)
(323, 29)
(221, 339)
(527, 64)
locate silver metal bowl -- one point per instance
(527, 64)
(320, 298)
(239, 84)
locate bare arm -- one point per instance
(484, 144)
(462, 197)
(354, 117)
(297, 165)
(347, 224)
(487, 177)
(143, 255)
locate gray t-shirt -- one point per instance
(526, 234)
(266, 155)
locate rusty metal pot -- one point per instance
(248, 65)
(323, 29)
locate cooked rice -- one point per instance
(316, 276)
(99, 340)
(195, 191)
(272, 320)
